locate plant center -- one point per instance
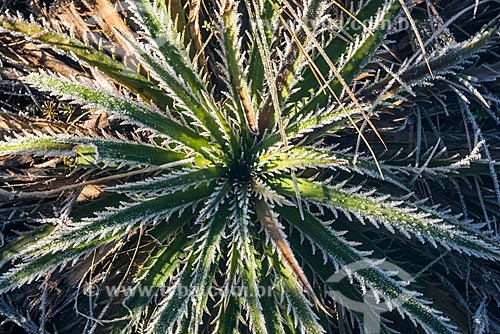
(240, 170)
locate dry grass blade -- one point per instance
(417, 34)
(274, 232)
(195, 31)
(107, 17)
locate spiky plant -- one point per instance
(230, 173)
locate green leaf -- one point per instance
(250, 268)
(320, 123)
(193, 278)
(303, 157)
(111, 150)
(65, 244)
(36, 145)
(230, 307)
(10, 250)
(343, 253)
(339, 44)
(178, 71)
(270, 301)
(229, 315)
(355, 59)
(433, 227)
(310, 119)
(157, 22)
(301, 309)
(453, 56)
(158, 268)
(256, 73)
(173, 182)
(115, 70)
(122, 107)
(300, 158)
(245, 112)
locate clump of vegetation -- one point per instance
(260, 144)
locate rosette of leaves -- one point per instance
(232, 157)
